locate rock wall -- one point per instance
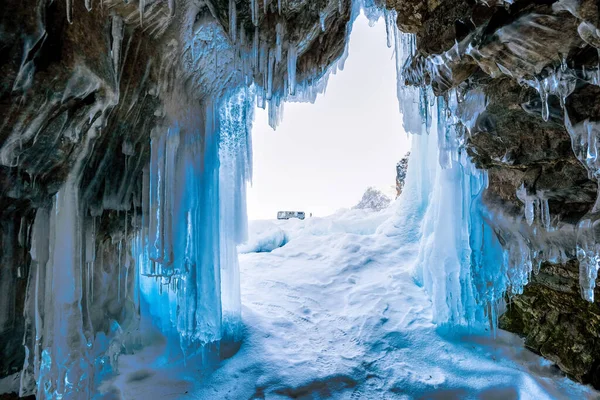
(534, 67)
(401, 169)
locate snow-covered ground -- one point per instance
(333, 311)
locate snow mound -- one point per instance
(336, 314)
(263, 237)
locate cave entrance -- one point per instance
(323, 156)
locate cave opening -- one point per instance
(323, 156)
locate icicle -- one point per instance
(529, 202)
(254, 11)
(88, 5)
(322, 19)
(545, 211)
(255, 48)
(270, 74)
(279, 29)
(172, 7)
(589, 261)
(69, 11)
(529, 212)
(390, 25)
(233, 21)
(119, 271)
(291, 67)
(141, 8)
(117, 39)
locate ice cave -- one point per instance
(128, 265)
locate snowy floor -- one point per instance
(335, 313)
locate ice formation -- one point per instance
(462, 264)
(174, 268)
(189, 279)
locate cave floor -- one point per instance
(336, 313)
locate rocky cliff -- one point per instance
(401, 169)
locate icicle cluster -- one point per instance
(194, 217)
(524, 250)
(461, 262)
(585, 141)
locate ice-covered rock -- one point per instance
(401, 170)
(373, 199)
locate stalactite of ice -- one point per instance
(461, 263)
(410, 98)
(280, 36)
(560, 82)
(183, 194)
(117, 39)
(254, 11)
(233, 21)
(585, 142)
(69, 11)
(62, 363)
(198, 171)
(390, 26)
(35, 305)
(291, 68)
(529, 203)
(235, 155)
(458, 247)
(588, 251)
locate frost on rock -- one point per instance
(373, 199)
(401, 171)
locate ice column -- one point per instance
(460, 261)
(459, 254)
(196, 215)
(235, 154)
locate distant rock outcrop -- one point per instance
(373, 199)
(401, 169)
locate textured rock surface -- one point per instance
(401, 169)
(557, 322)
(504, 49)
(373, 199)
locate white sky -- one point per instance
(324, 155)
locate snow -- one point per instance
(265, 236)
(336, 313)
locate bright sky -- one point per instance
(324, 155)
